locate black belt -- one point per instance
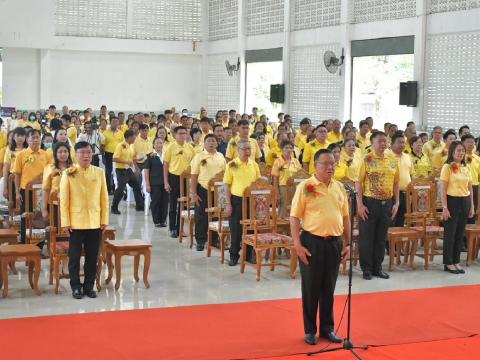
(323, 238)
(383, 202)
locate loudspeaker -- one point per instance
(408, 93)
(277, 93)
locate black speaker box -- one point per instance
(408, 93)
(277, 93)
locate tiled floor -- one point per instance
(180, 276)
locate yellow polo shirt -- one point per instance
(3, 140)
(206, 166)
(341, 171)
(321, 208)
(284, 169)
(112, 139)
(51, 179)
(309, 153)
(240, 175)
(124, 152)
(141, 149)
(178, 157)
(301, 140)
(33, 124)
(405, 168)
(378, 175)
(421, 166)
(29, 165)
(473, 163)
(272, 155)
(434, 153)
(72, 134)
(232, 149)
(197, 148)
(9, 157)
(457, 180)
(334, 138)
(363, 142)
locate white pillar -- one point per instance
(419, 69)
(286, 54)
(204, 52)
(241, 46)
(345, 71)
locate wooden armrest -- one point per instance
(214, 209)
(417, 214)
(182, 199)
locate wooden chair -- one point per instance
(292, 184)
(402, 239)
(472, 233)
(14, 216)
(257, 200)
(422, 216)
(33, 210)
(135, 248)
(187, 211)
(58, 250)
(20, 252)
(265, 172)
(217, 219)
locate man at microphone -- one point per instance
(319, 218)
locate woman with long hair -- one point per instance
(61, 136)
(421, 163)
(17, 143)
(350, 159)
(52, 174)
(457, 204)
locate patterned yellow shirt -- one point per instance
(285, 170)
(378, 176)
(421, 166)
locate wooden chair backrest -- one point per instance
(33, 195)
(259, 203)
(265, 171)
(292, 184)
(13, 210)
(421, 198)
(185, 189)
(216, 196)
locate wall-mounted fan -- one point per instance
(232, 68)
(332, 63)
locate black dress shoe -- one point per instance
(140, 209)
(461, 271)
(200, 247)
(455, 271)
(77, 294)
(233, 262)
(331, 336)
(311, 339)
(163, 224)
(367, 275)
(115, 211)
(381, 274)
(173, 234)
(156, 225)
(90, 293)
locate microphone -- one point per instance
(349, 188)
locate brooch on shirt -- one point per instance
(180, 152)
(71, 171)
(469, 158)
(310, 190)
(455, 167)
(30, 159)
(233, 165)
(124, 146)
(203, 162)
(349, 162)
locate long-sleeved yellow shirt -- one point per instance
(83, 198)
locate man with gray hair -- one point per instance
(240, 173)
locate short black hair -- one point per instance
(128, 134)
(216, 126)
(320, 126)
(178, 128)
(467, 136)
(397, 135)
(320, 153)
(80, 145)
(194, 131)
(209, 136)
(448, 133)
(52, 107)
(242, 122)
(362, 123)
(183, 117)
(32, 132)
(205, 119)
(66, 117)
(377, 134)
(463, 128)
(410, 123)
(332, 146)
(143, 127)
(305, 121)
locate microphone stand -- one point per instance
(347, 342)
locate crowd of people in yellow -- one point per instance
(149, 152)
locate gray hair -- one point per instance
(241, 144)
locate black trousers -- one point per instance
(373, 233)
(109, 172)
(23, 209)
(454, 228)
(236, 229)
(399, 220)
(201, 217)
(319, 278)
(159, 204)
(89, 241)
(124, 177)
(475, 204)
(96, 160)
(174, 209)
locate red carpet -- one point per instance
(249, 330)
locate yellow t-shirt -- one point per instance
(232, 149)
(378, 175)
(321, 208)
(51, 179)
(240, 175)
(284, 169)
(457, 179)
(300, 140)
(141, 149)
(434, 152)
(405, 168)
(29, 165)
(112, 139)
(333, 138)
(309, 153)
(363, 143)
(178, 157)
(421, 166)
(473, 163)
(206, 166)
(125, 152)
(272, 155)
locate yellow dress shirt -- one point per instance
(434, 152)
(272, 155)
(473, 163)
(141, 149)
(240, 175)
(83, 198)
(178, 157)
(405, 168)
(334, 138)
(29, 165)
(112, 139)
(284, 169)
(309, 153)
(232, 149)
(421, 166)
(125, 152)
(363, 142)
(206, 166)
(457, 180)
(321, 208)
(341, 171)
(51, 179)
(378, 175)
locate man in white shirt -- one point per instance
(96, 139)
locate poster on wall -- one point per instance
(7, 111)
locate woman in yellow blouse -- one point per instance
(341, 169)
(61, 136)
(350, 159)
(2, 152)
(51, 183)
(197, 144)
(439, 158)
(421, 163)
(163, 134)
(283, 169)
(18, 142)
(457, 203)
